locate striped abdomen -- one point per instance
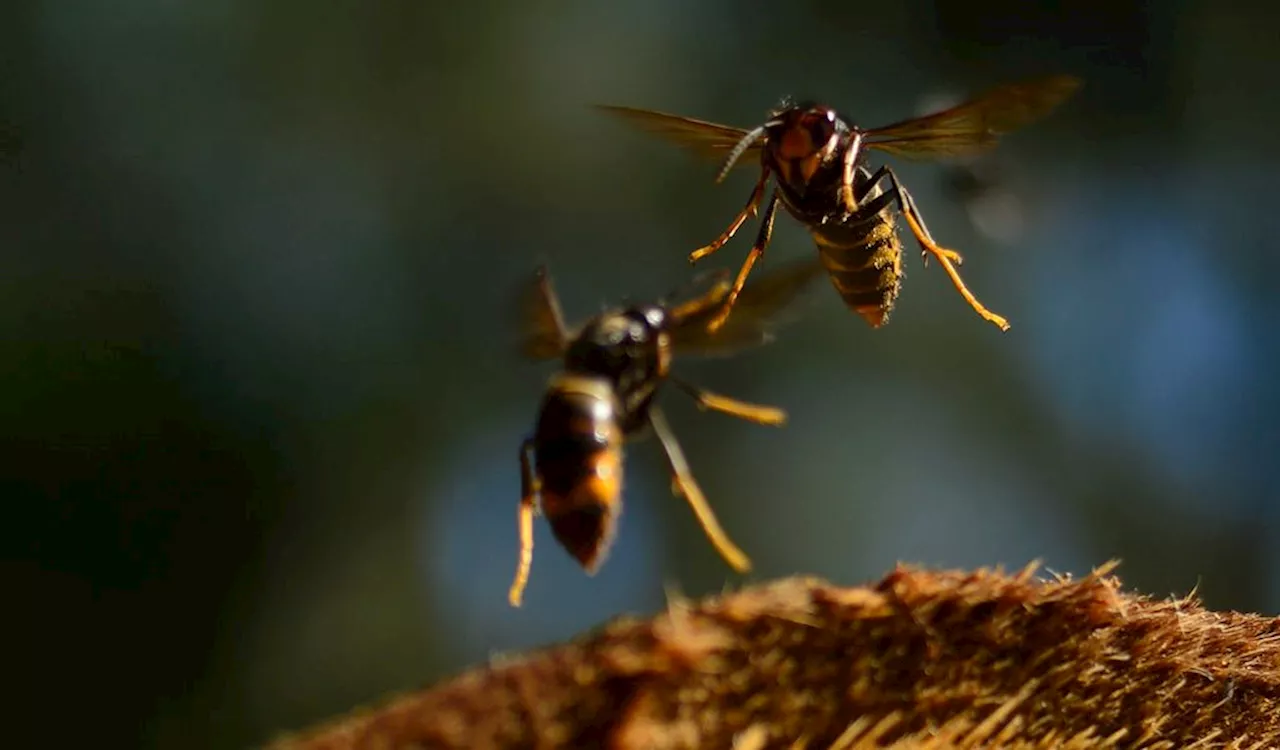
(578, 461)
(863, 256)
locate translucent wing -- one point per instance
(760, 310)
(975, 125)
(542, 332)
(706, 138)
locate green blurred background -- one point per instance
(261, 411)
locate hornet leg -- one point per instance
(714, 296)
(719, 275)
(846, 177)
(757, 250)
(528, 489)
(766, 415)
(928, 246)
(753, 204)
(685, 483)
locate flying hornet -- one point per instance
(613, 366)
(818, 161)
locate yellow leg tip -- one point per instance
(515, 594)
(716, 323)
(737, 560)
(950, 255)
(996, 320)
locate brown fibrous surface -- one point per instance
(923, 659)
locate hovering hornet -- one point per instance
(613, 367)
(819, 157)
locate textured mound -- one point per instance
(924, 659)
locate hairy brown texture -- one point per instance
(923, 659)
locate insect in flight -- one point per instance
(613, 366)
(818, 159)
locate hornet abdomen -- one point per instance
(861, 252)
(578, 451)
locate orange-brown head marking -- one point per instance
(664, 354)
(802, 140)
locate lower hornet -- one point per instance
(613, 367)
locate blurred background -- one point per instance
(261, 409)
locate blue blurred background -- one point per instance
(261, 411)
